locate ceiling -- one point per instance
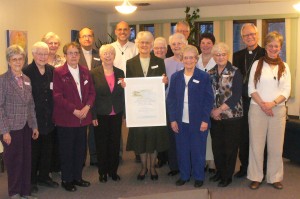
(106, 6)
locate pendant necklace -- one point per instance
(122, 52)
(274, 76)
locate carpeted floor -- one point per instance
(129, 186)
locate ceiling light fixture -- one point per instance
(297, 7)
(126, 8)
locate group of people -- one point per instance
(215, 109)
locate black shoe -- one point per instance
(240, 174)
(48, 183)
(211, 171)
(142, 176)
(103, 178)
(198, 183)
(173, 173)
(181, 182)
(81, 183)
(69, 186)
(215, 178)
(154, 176)
(115, 177)
(224, 183)
(34, 188)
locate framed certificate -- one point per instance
(145, 102)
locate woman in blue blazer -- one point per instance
(190, 101)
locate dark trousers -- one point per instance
(225, 135)
(92, 144)
(17, 160)
(191, 150)
(55, 160)
(72, 148)
(41, 154)
(172, 154)
(107, 138)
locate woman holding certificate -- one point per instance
(146, 141)
(190, 101)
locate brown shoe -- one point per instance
(277, 185)
(254, 185)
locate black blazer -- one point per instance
(95, 59)
(42, 86)
(105, 99)
(239, 61)
(156, 67)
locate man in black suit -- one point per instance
(244, 59)
(89, 57)
(184, 28)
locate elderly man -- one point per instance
(89, 57)
(244, 59)
(124, 50)
(41, 74)
(182, 27)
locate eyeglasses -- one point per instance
(221, 54)
(15, 60)
(108, 53)
(176, 44)
(159, 48)
(53, 43)
(188, 57)
(87, 36)
(249, 35)
(182, 31)
(273, 46)
(41, 54)
(72, 53)
(145, 43)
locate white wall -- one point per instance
(38, 17)
(229, 12)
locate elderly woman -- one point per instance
(205, 63)
(107, 113)
(41, 75)
(190, 101)
(74, 95)
(17, 123)
(53, 41)
(173, 64)
(160, 47)
(226, 115)
(269, 88)
(146, 141)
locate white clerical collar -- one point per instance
(86, 51)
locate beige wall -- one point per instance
(38, 17)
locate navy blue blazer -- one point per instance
(200, 98)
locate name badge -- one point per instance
(225, 75)
(27, 83)
(196, 81)
(51, 85)
(85, 82)
(97, 59)
(153, 67)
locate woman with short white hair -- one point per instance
(53, 41)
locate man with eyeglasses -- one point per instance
(244, 59)
(89, 57)
(182, 27)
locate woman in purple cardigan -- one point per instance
(73, 94)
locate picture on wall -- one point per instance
(18, 37)
(74, 35)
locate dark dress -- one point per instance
(146, 139)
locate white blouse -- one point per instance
(209, 65)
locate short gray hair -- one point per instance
(178, 36)
(161, 40)
(107, 47)
(248, 24)
(144, 34)
(39, 45)
(50, 35)
(14, 50)
(220, 46)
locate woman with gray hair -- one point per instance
(107, 113)
(41, 75)
(17, 123)
(146, 141)
(160, 47)
(226, 115)
(53, 41)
